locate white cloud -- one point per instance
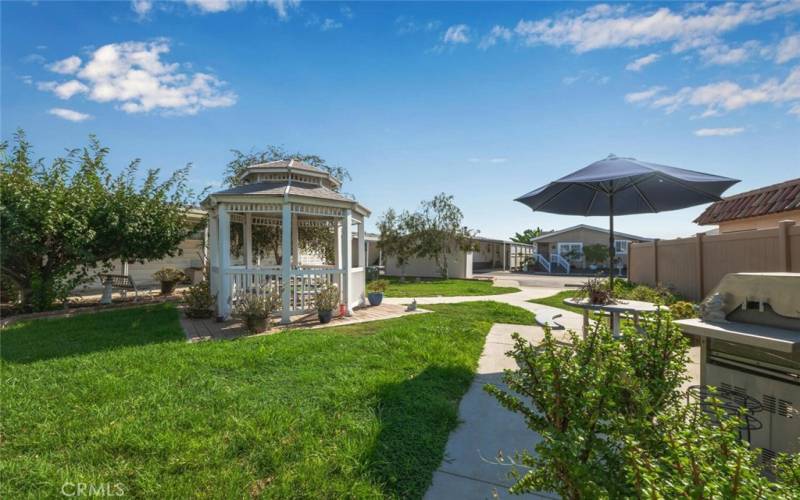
(141, 7)
(458, 33)
(281, 7)
(788, 49)
(718, 132)
(721, 54)
(66, 66)
(346, 11)
(497, 33)
(69, 114)
(133, 75)
(589, 76)
(644, 95)
(330, 24)
(63, 90)
(640, 63)
(213, 6)
(406, 25)
(604, 26)
(719, 97)
(498, 160)
(34, 59)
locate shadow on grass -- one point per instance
(417, 417)
(44, 339)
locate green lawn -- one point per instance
(119, 397)
(437, 287)
(557, 300)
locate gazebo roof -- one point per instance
(280, 188)
(287, 178)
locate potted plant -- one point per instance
(199, 301)
(256, 309)
(376, 289)
(596, 291)
(169, 277)
(326, 301)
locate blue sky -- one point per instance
(485, 101)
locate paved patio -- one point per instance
(198, 330)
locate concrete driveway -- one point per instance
(537, 280)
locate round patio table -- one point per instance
(615, 310)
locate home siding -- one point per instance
(763, 222)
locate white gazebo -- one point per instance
(285, 194)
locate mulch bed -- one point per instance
(75, 308)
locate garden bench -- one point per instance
(549, 319)
(120, 281)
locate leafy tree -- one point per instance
(315, 239)
(398, 237)
(527, 236)
(439, 231)
(614, 424)
(595, 254)
(60, 222)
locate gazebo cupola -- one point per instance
(282, 197)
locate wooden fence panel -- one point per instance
(694, 266)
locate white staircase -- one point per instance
(560, 261)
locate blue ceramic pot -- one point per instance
(375, 298)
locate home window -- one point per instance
(621, 246)
(571, 251)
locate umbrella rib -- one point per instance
(650, 205)
(712, 197)
(591, 203)
(540, 205)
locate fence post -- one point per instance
(784, 251)
(699, 256)
(655, 262)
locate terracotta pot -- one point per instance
(167, 287)
(375, 298)
(325, 316)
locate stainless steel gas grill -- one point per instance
(750, 351)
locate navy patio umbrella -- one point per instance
(623, 186)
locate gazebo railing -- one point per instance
(303, 284)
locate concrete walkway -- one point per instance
(470, 469)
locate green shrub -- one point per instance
(327, 298)
(199, 301)
(378, 285)
(614, 423)
(169, 275)
(682, 310)
(255, 309)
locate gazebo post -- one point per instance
(213, 255)
(248, 240)
(286, 262)
(295, 241)
(347, 259)
(224, 233)
(362, 248)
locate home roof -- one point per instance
(617, 234)
(762, 201)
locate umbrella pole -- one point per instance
(611, 244)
